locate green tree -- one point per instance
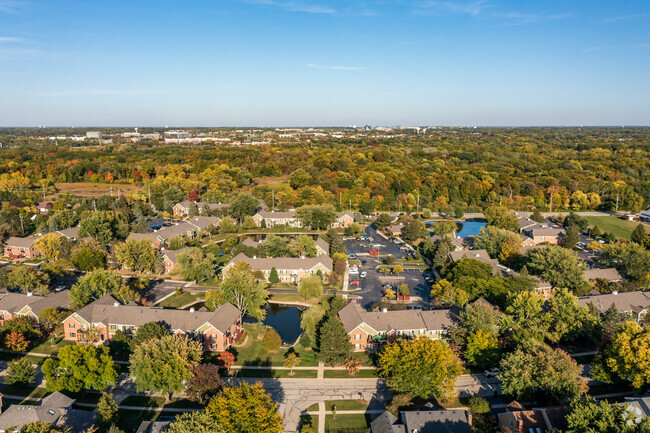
(596, 232)
(29, 280)
(335, 242)
(334, 342)
(498, 216)
(445, 228)
(165, 364)
(273, 276)
(447, 293)
(196, 265)
(299, 178)
(98, 283)
(137, 255)
(383, 220)
(568, 319)
(628, 355)
(195, 422)
(483, 349)
(87, 260)
(612, 322)
(421, 367)
(559, 266)
(629, 258)
(572, 237)
(413, 230)
(537, 216)
(149, 331)
(119, 345)
(311, 318)
(228, 225)
(271, 340)
(480, 317)
(43, 427)
(176, 243)
(318, 217)
(248, 223)
(20, 371)
(499, 243)
(310, 286)
(241, 288)
(588, 416)
(106, 409)
(535, 370)
(246, 408)
(80, 368)
(243, 205)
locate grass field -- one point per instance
(89, 189)
(278, 374)
(179, 300)
(621, 228)
(341, 405)
(358, 422)
(51, 348)
(343, 374)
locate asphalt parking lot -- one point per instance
(371, 291)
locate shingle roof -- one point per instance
(345, 212)
(352, 315)
(609, 274)
(385, 423)
(202, 222)
(14, 302)
(250, 243)
(546, 231)
(625, 301)
(70, 233)
(104, 311)
(50, 410)
(266, 214)
(437, 421)
(265, 264)
(27, 242)
(322, 243)
(172, 255)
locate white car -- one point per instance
(354, 271)
(491, 372)
(363, 274)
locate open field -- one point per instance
(272, 180)
(179, 300)
(620, 227)
(89, 189)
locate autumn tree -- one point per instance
(586, 415)
(500, 244)
(20, 371)
(196, 265)
(421, 367)
(445, 292)
(165, 364)
(559, 266)
(498, 216)
(271, 340)
(52, 246)
(137, 255)
(16, 341)
(291, 359)
(310, 286)
(98, 283)
(28, 280)
(80, 368)
(204, 384)
(246, 408)
(195, 422)
(243, 289)
(627, 357)
(482, 349)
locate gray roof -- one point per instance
(153, 426)
(639, 406)
(172, 255)
(386, 423)
(525, 223)
(322, 243)
(266, 214)
(70, 233)
(624, 301)
(104, 311)
(14, 302)
(51, 409)
(199, 204)
(345, 212)
(546, 231)
(267, 263)
(251, 243)
(27, 242)
(352, 315)
(203, 222)
(481, 255)
(437, 421)
(397, 228)
(609, 274)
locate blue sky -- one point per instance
(300, 62)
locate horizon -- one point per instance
(300, 62)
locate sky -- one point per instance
(324, 63)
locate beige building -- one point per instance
(290, 269)
(274, 218)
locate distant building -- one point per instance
(426, 420)
(274, 218)
(290, 269)
(634, 304)
(19, 304)
(343, 219)
(170, 259)
(94, 134)
(545, 234)
(22, 248)
(609, 274)
(182, 209)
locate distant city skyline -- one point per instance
(279, 63)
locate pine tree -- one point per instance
(273, 277)
(106, 409)
(335, 346)
(612, 320)
(595, 232)
(537, 216)
(638, 235)
(572, 237)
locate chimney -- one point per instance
(477, 255)
(254, 257)
(614, 293)
(384, 310)
(29, 293)
(191, 309)
(116, 304)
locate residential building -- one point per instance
(18, 304)
(639, 407)
(484, 257)
(517, 419)
(274, 218)
(343, 219)
(204, 223)
(251, 243)
(22, 248)
(160, 238)
(94, 134)
(182, 209)
(395, 230)
(322, 247)
(367, 328)
(55, 409)
(644, 216)
(609, 274)
(170, 258)
(634, 304)
(71, 233)
(426, 420)
(546, 235)
(216, 330)
(290, 269)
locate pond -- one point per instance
(469, 228)
(284, 318)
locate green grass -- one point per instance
(210, 282)
(24, 391)
(284, 374)
(343, 374)
(340, 405)
(179, 300)
(347, 422)
(52, 347)
(130, 420)
(291, 297)
(146, 401)
(620, 227)
(308, 419)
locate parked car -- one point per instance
(491, 372)
(355, 282)
(354, 271)
(373, 252)
(414, 307)
(363, 274)
(352, 256)
(59, 288)
(353, 301)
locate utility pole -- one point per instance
(273, 195)
(350, 205)
(616, 201)
(341, 199)
(149, 195)
(95, 205)
(550, 208)
(22, 226)
(418, 204)
(111, 191)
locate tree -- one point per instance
(52, 246)
(195, 422)
(422, 367)
(299, 178)
(273, 276)
(80, 368)
(165, 364)
(353, 366)
(242, 205)
(137, 255)
(318, 217)
(404, 289)
(588, 416)
(444, 228)
(106, 409)
(498, 216)
(193, 210)
(559, 266)
(119, 346)
(20, 371)
(413, 230)
(480, 317)
(611, 323)
(398, 269)
(16, 341)
(241, 288)
(572, 237)
(596, 232)
(291, 359)
(228, 225)
(384, 270)
(196, 265)
(535, 370)
(246, 408)
(148, 332)
(226, 359)
(628, 355)
(390, 293)
(483, 349)
(98, 283)
(569, 320)
(87, 260)
(204, 384)
(176, 243)
(500, 244)
(311, 318)
(537, 216)
(335, 242)
(629, 258)
(383, 220)
(29, 280)
(24, 325)
(271, 340)
(43, 427)
(526, 314)
(334, 342)
(446, 292)
(310, 286)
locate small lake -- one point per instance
(284, 318)
(469, 228)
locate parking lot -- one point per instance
(371, 290)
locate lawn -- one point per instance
(89, 189)
(347, 423)
(179, 300)
(340, 405)
(294, 297)
(210, 282)
(308, 419)
(51, 348)
(278, 374)
(343, 374)
(146, 401)
(24, 391)
(130, 420)
(620, 227)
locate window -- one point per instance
(71, 325)
(113, 326)
(357, 346)
(357, 336)
(213, 336)
(213, 345)
(73, 335)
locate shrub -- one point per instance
(478, 404)
(271, 340)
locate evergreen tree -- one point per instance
(106, 409)
(537, 216)
(334, 342)
(440, 257)
(596, 232)
(193, 210)
(612, 321)
(572, 237)
(639, 235)
(273, 276)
